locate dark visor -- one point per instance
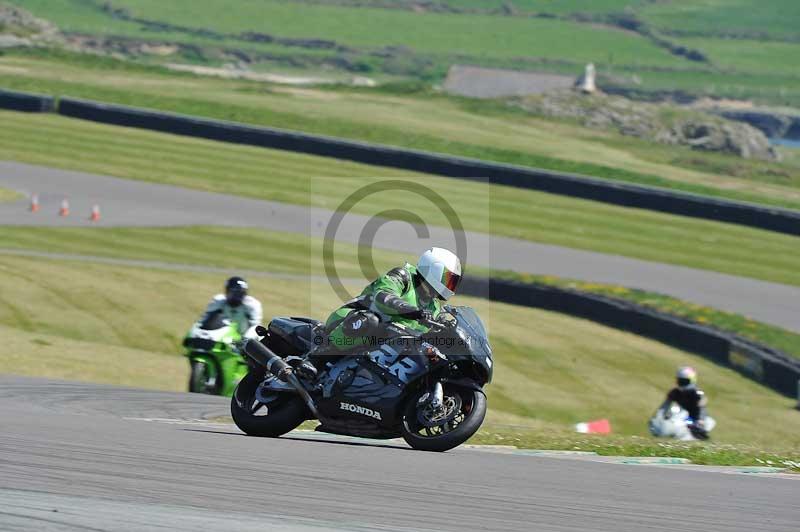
(450, 280)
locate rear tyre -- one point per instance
(462, 416)
(282, 412)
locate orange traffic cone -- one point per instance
(34, 203)
(64, 210)
(95, 216)
(600, 426)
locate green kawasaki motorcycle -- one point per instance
(214, 359)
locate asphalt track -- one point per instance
(135, 203)
(90, 457)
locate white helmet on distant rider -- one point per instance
(441, 269)
(686, 377)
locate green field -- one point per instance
(365, 29)
(764, 57)
(777, 19)
(305, 180)
(409, 40)
(429, 33)
(557, 7)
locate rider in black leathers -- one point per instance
(690, 398)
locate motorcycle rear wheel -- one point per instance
(285, 412)
(465, 410)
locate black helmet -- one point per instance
(235, 290)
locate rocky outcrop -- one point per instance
(667, 124)
(772, 124)
(20, 27)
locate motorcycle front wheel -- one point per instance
(281, 413)
(440, 430)
(201, 380)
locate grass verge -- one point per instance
(703, 453)
(38, 354)
(551, 370)
(201, 245)
(9, 195)
(770, 335)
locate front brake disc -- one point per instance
(429, 416)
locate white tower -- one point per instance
(586, 82)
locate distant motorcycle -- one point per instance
(673, 421)
(214, 358)
(427, 388)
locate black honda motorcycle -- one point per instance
(425, 387)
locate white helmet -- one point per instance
(686, 377)
(442, 270)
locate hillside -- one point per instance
(732, 49)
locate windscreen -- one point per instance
(472, 325)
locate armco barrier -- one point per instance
(772, 368)
(774, 219)
(23, 101)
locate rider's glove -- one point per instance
(419, 314)
(446, 319)
(425, 315)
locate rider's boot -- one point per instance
(306, 370)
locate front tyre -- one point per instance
(202, 380)
(461, 416)
(281, 413)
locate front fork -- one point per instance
(434, 397)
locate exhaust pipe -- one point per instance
(262, 356)
(278, 367)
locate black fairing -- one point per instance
(378, 382)
(470, 345)
(373, 388)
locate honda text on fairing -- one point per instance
(424, 386)
(214, 359)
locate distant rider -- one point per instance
(235, 305)
(407, 295)
(690, 398)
